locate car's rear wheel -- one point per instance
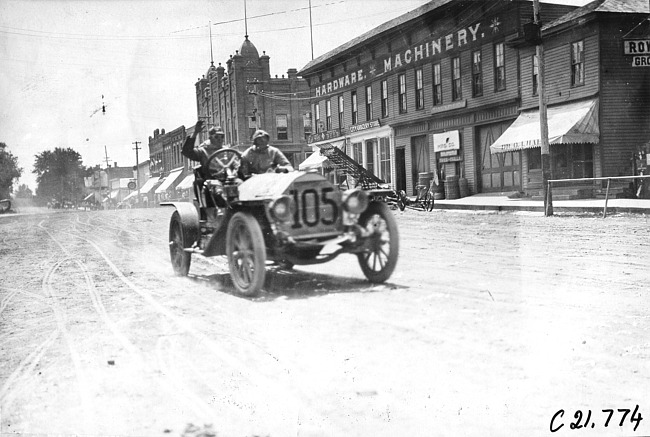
(246, 254)
(180, 258)
(379, 261)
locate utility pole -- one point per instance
(137, 170)
(543, 120)
(311, 33)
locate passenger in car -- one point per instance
(263, 158)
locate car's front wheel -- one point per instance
(246, 254)
(379, 261)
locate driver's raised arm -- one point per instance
(188, 149)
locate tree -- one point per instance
(24, 192)
(9, 171)
(59, 175)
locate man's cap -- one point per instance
(260, 133)
(217, 130)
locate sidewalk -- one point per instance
(501, 202)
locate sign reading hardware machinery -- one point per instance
(420, 52)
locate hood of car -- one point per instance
(272, 185)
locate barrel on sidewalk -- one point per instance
(452, 190)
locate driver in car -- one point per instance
(263, 158)
(202, 152)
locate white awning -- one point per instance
(186, 183)
(169, 180)
(149, 185)
(316, 160)
(114, 194)
(89, 196)
(131, 194)
(567, 124)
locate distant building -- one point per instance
(244, 97)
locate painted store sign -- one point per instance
(415, 54)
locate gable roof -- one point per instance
(606, 6)
(382, 28)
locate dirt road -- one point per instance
(491, 324)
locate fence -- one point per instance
(608, 179)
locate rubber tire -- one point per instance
(429, 202)
(381, 219)
(181, 259)
(246, 254)
(401, 200)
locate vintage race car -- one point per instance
(285, 219)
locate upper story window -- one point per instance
(317, 117)
(281, 126)
(437, 85)
(368, 103)
(306, 122)
(355, 109)
(419, 89)
(384, 98)
(341, 111)
(401, 79)
(328, 115)
(477, 74)
(577, 63)
(456, 86)
(535, 62)
(499, 67)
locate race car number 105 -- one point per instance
(313, 208)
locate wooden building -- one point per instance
(433, 90)
(597, 97)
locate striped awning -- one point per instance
(567, 124)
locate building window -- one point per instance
(252, 125)
(456, 87)
(419, 89)
(368, 103)
(384, 98)
(402, 93)
(477, 74)
(281, 126)
(370, 156)
(384, 159)
(306, 121)
(357, 153)
(328, 115)
(577, 63)
(341, 112)
(319, 126)
(499, 67)
(535, 74)
(355, 109)
(437, 85)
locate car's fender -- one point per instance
(189, 219)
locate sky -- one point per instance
(62, 60)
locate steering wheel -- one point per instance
(233, 163)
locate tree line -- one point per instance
(59, 175)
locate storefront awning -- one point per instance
(149, 185)
(186, 183)
(88, 197)
(316, 161)
(169, 180)
(131, 194)
(569, 123)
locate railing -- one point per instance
(608, 179)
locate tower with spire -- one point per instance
(242, 97)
